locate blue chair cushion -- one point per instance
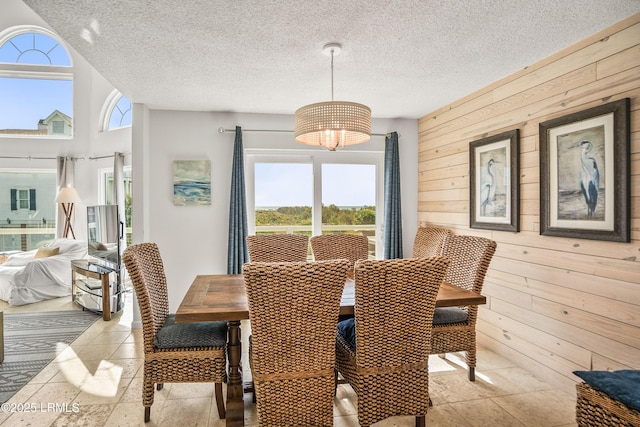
(444, 315)
(347, 328)
(623, 385)
(192, 334)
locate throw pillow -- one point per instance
(47, 252)
(3, 258)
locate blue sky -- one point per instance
(18, 106)
(292, 184)
(23, 102)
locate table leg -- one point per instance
(235, 402)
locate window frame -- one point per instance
(108, 107)
(316, 159)
(38, 72)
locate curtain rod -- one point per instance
(223, 130)
(107, 156)
(54, 158)
(37, 158)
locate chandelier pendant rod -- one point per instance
(332, 50)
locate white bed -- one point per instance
(25, 279)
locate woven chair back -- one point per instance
(146, 270)
(389, 294)
(293, 309)
(352, 247)
(470, 258)
(278, 247)
(429, 241)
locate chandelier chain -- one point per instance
(332, 75)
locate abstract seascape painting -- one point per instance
(191, 182)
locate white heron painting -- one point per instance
(581, 173)
(493, 179)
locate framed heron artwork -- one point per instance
(191, 182)
(494, 182)
(585, 174)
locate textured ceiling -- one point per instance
(402, 58)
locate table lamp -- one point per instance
(67, 197)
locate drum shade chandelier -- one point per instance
(333, 124)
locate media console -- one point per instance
(97, 282)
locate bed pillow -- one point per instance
(47, 252)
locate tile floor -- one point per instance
(97, 381)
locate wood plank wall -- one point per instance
(555, 305)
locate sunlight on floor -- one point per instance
(103, 383)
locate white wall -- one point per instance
(193, 239)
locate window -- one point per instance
(23, 199)
(58, 126)
(27, 209)
(120, 114)
(116, 112)
(315, 193)
(36, 83)
(106, 195)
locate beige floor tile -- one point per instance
(486, 359)
(109, 336)
(130, 367)
(346, 421)
(133, 393)
(485, 412)
(512, 380)
(190, 390)
(128, 350)
(439, 366)
(445, 416)
(458, 388)
(344, 404)
(98, 390)
(129, 414)
(98, 351)
(41, 418)
(89, 415)
(185, 412)
(54, 393)
(135, 337)
(540, 408)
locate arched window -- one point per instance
(36, 82)
(116, 112)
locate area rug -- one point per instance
(31, 342)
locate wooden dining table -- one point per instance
(223, 297)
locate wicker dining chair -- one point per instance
(173, 352)
(454, 328)
(293, 309)
(429, 241)
(384, 351)
(353, 247)
(278, 247)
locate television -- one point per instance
(104, 232)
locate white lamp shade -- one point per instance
(333, 124)
(68, 195)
